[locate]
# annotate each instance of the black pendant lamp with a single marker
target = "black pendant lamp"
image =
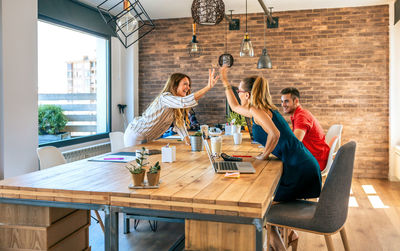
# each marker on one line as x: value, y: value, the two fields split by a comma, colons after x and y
x: 264, y: 62
x: 226, y: 58
x: 246, y: 48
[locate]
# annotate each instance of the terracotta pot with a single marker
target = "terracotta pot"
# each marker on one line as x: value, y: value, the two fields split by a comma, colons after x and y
x: 153, y: 178
x: 138, y: 178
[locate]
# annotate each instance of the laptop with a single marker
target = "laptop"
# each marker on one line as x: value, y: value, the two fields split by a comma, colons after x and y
x: 228, y: 166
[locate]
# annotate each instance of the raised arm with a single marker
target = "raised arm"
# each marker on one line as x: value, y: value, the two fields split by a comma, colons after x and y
x: 264, y: 120
x: 230, y: 96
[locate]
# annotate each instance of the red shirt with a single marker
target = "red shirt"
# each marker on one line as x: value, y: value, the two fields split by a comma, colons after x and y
x: 314, y: 139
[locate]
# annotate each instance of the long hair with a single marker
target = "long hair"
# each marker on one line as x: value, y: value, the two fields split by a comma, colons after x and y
x: 259, y: 90
x: 171, y: 86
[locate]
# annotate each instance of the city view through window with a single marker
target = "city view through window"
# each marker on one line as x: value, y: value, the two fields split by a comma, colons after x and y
x: 72, y: 75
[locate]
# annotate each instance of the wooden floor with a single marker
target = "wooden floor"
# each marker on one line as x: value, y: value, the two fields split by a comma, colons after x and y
x: 373, y: 223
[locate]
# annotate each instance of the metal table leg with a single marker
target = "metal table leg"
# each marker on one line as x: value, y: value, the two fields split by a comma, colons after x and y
x: 111, y: 234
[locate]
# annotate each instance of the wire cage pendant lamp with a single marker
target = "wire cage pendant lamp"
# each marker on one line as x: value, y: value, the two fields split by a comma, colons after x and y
x: 264, y: 61
x: 208, y: 12
x: 126, y: 18
x: 246, y: 48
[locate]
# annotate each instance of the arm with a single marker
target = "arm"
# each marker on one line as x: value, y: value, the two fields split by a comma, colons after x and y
x: 265, y: 121
x: 299, y: 133
x: 183, y: 133
x: 212, y: 80
x: 230, y: 96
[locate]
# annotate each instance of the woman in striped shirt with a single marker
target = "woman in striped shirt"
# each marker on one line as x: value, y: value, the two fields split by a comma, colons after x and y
x: 170, y: 106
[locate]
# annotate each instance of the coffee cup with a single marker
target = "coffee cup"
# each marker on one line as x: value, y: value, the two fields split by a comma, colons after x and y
x: 216, y: 145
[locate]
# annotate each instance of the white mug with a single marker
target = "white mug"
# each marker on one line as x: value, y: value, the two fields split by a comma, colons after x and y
x: 237, y: 138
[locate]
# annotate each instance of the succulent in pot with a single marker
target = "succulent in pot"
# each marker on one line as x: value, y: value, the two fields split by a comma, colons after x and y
x: 153, y: 175
x: 137, y: 169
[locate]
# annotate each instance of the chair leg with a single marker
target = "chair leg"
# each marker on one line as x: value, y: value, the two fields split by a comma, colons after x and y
x: 269, y: 230
x: 344, y: 239
x: 153, y: 225
x: 285, y: 237
x: 135, y: 223
x: 329, y: 242
x: 100, y: 220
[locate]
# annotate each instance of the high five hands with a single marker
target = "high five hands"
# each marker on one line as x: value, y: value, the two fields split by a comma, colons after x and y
x: 212, y: 79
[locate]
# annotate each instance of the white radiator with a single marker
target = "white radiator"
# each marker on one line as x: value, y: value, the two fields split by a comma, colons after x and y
x: 87, y: 152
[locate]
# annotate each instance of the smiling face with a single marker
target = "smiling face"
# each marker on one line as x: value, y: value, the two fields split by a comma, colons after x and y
x: 288, y: 103
x: 183, y: 87
x: 243, y: 95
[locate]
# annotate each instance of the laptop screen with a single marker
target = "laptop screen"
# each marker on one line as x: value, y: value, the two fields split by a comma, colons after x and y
x: 209, y: 153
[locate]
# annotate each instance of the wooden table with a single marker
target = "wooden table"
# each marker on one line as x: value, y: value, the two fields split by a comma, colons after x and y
x: 219, y: 212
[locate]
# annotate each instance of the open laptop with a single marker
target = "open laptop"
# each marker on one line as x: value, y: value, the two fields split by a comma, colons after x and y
x: 228, y: 166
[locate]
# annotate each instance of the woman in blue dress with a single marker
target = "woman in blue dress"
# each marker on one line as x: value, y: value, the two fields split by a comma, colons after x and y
x: 301, y: 177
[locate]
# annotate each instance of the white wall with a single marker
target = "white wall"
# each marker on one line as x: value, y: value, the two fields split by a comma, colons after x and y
x: 394, y: 93
x: 18, y: 120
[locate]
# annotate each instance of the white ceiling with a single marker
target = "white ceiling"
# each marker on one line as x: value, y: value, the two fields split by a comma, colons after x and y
x: 163, y: 9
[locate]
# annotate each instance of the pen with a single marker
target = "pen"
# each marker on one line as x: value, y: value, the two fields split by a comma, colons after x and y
x: 113, y: 158
x: 242, y: 156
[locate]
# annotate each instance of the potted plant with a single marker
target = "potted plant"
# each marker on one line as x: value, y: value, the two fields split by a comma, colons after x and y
x: 51, y: 122
x: 196, y: 141
x: 236, y: 121
x: 137, y: 169
x: 153, y: 175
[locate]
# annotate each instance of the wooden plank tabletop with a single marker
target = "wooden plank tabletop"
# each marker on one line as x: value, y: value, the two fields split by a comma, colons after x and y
x: 189, y: 184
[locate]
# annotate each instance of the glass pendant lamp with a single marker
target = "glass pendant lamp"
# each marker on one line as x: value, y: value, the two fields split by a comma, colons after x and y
x: 246, y: 48
x: 127, y: 23
x: 194, y: 46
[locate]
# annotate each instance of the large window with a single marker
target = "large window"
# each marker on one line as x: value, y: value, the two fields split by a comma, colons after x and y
x: 73, y: 74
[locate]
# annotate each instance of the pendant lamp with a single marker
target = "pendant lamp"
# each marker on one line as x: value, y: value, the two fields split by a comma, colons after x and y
x: 264, y: 61
x: 208, y: 12
x: 194, y: 47
x: 126, y: 18
x: 226, y: 58
x: 246, y: 48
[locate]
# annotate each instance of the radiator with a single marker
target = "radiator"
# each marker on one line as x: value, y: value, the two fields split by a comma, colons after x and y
x: 87, y: 152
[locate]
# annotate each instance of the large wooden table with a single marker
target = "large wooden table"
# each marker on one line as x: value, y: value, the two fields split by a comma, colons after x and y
x: 219, y: 212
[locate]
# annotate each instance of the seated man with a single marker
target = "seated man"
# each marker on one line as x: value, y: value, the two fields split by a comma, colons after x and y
x: 305, y: 126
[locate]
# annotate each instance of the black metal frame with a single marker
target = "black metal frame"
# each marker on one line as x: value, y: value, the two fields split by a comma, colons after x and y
x: 144, y: 21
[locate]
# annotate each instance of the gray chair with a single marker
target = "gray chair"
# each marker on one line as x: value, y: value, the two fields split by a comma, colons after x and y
x: 328, y: 215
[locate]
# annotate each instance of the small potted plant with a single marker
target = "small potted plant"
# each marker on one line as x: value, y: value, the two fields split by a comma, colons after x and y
x: 237, y: 121
x: 196, y: 141
x: 137, y: 169
x: 153, y: 175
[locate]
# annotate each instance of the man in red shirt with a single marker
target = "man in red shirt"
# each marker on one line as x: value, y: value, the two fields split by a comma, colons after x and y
x: 305, y: 126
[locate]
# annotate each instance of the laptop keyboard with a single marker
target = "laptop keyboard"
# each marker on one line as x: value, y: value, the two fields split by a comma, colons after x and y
x: 227, y: 166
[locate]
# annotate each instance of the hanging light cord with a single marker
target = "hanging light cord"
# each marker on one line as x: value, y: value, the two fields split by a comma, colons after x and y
x: 246, y: 16
x: 264, y: 32
x: 226, y: 37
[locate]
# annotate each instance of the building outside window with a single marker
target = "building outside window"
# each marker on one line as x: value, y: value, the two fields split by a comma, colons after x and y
x: 74, y: 74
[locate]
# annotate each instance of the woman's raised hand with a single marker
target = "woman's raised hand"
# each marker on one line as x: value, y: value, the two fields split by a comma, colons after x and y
x: 212, y: 79
x: 223, y: 72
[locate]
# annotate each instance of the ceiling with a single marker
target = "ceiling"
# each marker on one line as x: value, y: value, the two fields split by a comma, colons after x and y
x: 164, y: 9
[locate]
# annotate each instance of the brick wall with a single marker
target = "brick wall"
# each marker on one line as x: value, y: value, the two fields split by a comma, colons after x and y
x: 337, y: 58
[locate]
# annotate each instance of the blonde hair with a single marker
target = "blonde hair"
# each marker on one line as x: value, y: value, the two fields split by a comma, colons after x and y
x: 171, y: 86
x: 259, y: 89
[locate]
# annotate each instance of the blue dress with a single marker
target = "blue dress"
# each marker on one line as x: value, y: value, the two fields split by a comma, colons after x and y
x: 301, y: 177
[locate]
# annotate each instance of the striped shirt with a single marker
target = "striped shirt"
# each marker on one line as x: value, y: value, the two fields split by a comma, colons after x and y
x: 160, y: 115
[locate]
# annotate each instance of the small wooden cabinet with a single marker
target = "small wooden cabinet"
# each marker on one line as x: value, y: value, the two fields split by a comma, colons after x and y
x: 43, y: 228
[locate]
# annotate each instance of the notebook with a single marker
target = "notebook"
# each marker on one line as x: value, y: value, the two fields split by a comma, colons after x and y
x: 228, y: 166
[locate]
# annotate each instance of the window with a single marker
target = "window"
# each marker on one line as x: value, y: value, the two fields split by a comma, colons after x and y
x: 73, y: 74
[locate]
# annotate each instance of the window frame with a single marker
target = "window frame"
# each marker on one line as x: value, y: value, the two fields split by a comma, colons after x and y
x: 84, y: 139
